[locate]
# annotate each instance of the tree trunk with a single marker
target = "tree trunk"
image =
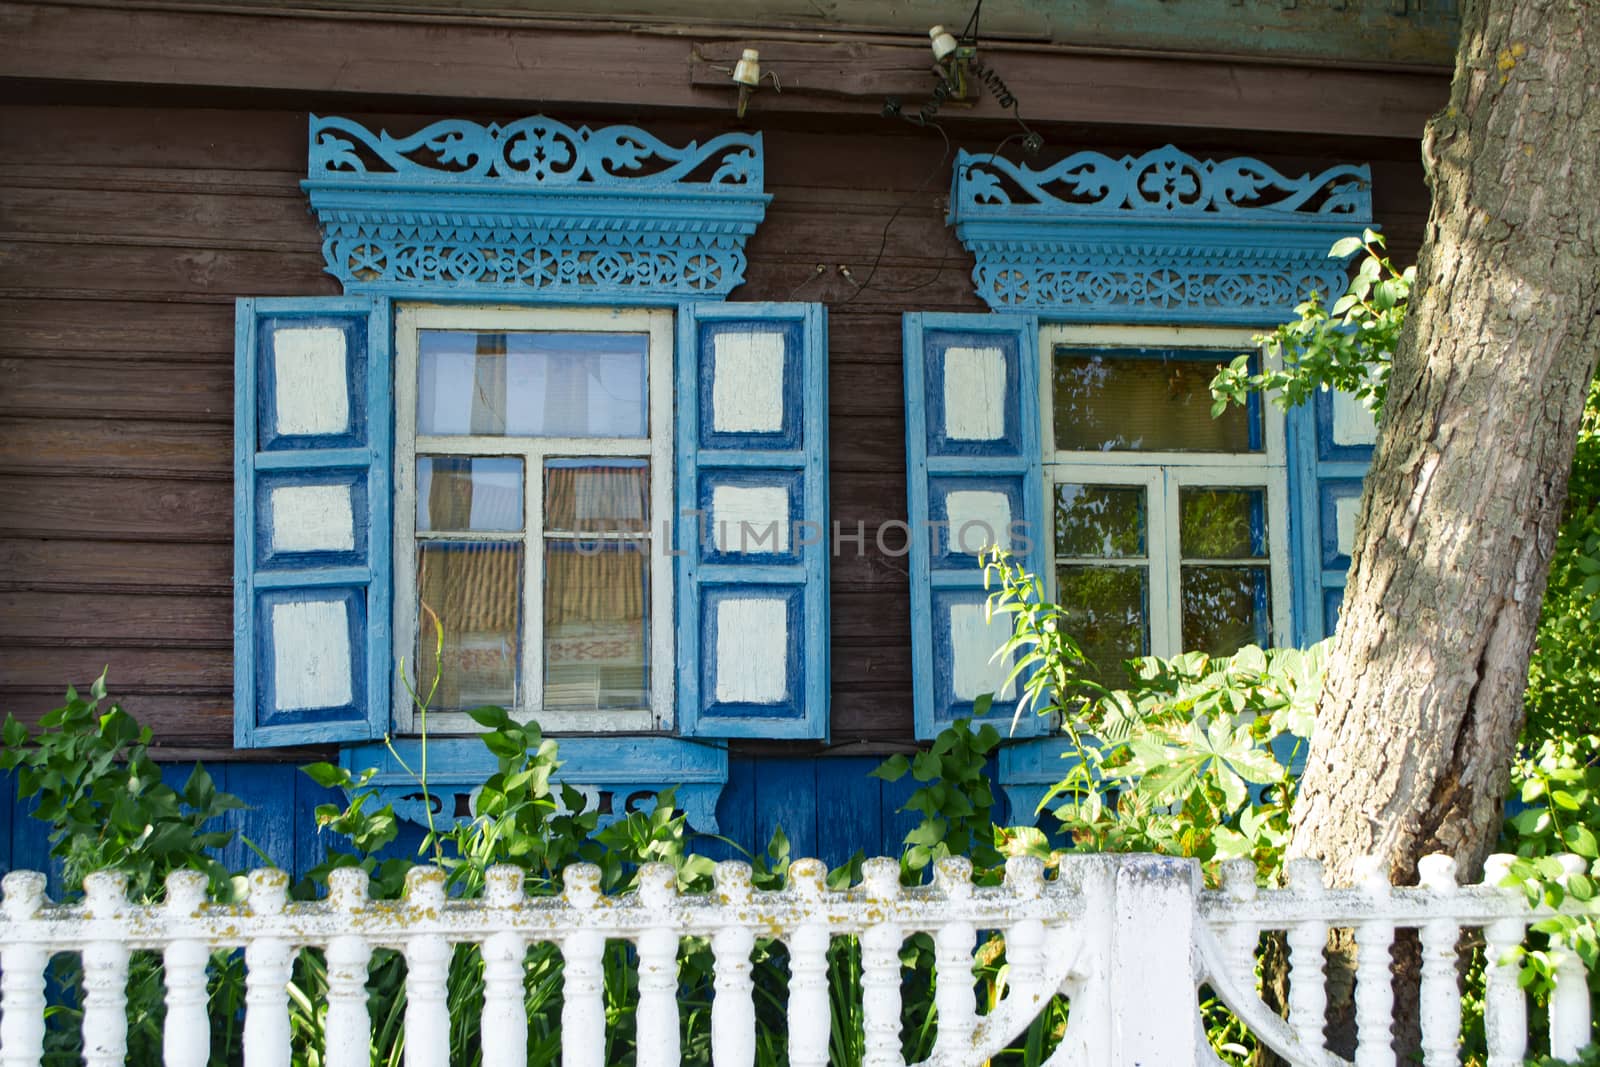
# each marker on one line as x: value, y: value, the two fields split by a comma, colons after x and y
x: 1422, y: 705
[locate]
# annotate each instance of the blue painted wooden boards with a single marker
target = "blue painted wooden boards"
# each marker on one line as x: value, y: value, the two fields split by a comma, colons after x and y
x: 972, y: 434
x: 828, y: 807
x: 752, y: 582
x: 311, y: 595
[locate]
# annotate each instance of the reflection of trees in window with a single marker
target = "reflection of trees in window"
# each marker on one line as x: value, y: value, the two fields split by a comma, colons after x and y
x: 1224, y: 609
x: 1145, y: 561
x: 1099, y: 521
x: 1144, y: 400
x: 1222, y: 523
x: 1225, y: 605
x: 1107, y: 605
x: 1107, y: 612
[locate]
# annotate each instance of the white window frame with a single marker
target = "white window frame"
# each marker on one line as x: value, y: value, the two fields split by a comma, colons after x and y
x: 1162, y: 474
x: 656, y: 446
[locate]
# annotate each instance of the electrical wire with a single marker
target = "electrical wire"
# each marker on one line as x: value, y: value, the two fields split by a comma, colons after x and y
x: 883, y: 241
x: 990, y: 80
x: 817, y: 272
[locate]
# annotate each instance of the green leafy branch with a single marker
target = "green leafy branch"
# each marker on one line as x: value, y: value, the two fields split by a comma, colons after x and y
x: 1347, y: 347
x: 1195, y: 760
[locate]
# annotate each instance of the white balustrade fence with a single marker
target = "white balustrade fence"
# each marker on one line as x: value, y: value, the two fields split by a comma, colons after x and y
x: 1128, y: 939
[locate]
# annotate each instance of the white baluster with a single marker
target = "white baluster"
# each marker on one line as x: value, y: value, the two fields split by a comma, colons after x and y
x: 733, y: 1009
x: 505, y: 953
x: 1505, y: 1005
x: 880, y: 971
x: 1308, y: 991
x: 1441, y: 994
x: 186, y: 1034
x: 952, y: 944
x: 349, y: 1029
x: 1239, y: 939
x: 1374, y: 969
x: 1025, y: 939
x: 268, y: 965
x: 105, y: 973
x: 1569, y: 1001
x: 427, y: 972
x: 583, y: 1015
x: 808, y: 968
x: 22, y: 965
x: 659, y: 1037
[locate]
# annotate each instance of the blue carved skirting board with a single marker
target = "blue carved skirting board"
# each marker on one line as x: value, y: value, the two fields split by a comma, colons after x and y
x: 828, y: 808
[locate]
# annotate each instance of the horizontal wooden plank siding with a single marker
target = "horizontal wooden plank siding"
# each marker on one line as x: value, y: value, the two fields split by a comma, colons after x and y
x: 1373, y: 33
x: 603, y: 65
x: 126, y: 232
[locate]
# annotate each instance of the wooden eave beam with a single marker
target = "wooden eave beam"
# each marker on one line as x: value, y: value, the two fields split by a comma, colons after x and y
x: 564, y: 67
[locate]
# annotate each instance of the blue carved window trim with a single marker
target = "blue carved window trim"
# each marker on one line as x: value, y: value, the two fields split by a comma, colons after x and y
x: 1160, y: 237
x: 535, y: 213
x: 1164, y: 238
x: 534, y: 209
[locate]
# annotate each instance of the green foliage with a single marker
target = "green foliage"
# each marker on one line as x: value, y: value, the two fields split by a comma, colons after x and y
x: 1195, y: 760
x: 1588, y: 1056
x: 106, y: 803
x: 108, y: 808
x: 1347, y: 346
x: 956, y: 802
x: 1564, y: 674
x: 1556, y: 778
x: 1557, y: 784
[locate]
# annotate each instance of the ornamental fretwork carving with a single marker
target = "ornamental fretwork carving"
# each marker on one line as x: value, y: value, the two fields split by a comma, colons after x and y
x: 534, y: 206
x: 1162, y: 236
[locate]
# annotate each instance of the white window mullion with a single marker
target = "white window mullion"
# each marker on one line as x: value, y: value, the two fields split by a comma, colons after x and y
x: 1278, y: 552
x: 533, y: 621
x: 551, y: 446
x: 404, y: 607
x: 1166, y: 594
x: 663, y: 604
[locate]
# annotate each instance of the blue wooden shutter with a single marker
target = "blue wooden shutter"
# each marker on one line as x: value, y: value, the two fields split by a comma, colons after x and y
x: 752, y: 527
x: 975, y: 472
x: 312, y: 583
x: 1330, y: 446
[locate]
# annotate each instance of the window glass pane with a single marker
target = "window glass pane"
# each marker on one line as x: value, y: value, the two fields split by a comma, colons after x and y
x: 532, y: 384
x: 1108, y: 615
x: 1224, y: 609
x: 1145, y: 400
x: 1222, y: 523
x: 596, y: 496
x: 1100, y: 521
x: 596, y: 633
x: 475, y: 590
x: 462, y: 493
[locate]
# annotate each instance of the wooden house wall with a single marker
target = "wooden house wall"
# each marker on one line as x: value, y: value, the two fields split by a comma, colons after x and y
x: 827, y: 808
x: 128, y: 225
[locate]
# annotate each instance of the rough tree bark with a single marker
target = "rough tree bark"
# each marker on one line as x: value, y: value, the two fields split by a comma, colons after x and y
x: 1422, y: 705
x: 1423, y: 699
